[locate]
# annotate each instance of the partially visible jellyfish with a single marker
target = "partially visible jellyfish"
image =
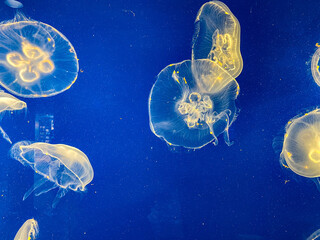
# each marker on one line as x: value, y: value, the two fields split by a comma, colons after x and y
x: 28, y: 231
x: 192, y: 103
x: 13, y: 3
x: 315, y: 235
x: 59, y: 166
x: 301, y: 145
x: 217, y: 37
x: 315, y: 65
x: 9, y: 103
x: 36, y: 60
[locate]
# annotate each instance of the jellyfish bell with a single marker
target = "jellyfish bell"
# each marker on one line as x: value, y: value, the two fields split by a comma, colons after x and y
x: 192, y: 103
x: 28, y: 231
x: 217, y: 37
x: 36, y: 60
x: 60, y: 166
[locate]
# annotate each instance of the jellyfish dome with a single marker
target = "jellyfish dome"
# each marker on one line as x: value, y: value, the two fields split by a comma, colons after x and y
x: 36, y: 60
x: 217, y: 37
x: 193, y: 102
x: 301, y: 146
x: 66, y: 167
x: 10, y: 103
x: 28, y: 231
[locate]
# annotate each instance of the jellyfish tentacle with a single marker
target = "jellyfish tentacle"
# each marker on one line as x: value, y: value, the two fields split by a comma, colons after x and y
x: 46, y: 190
x: 5, y: 135
x: 36, y: 185
x: 61, y: 193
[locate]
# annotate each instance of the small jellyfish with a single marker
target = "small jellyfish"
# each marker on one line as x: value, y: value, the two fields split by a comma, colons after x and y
x: 192, y: 103
x: 217, y: 37
x: 301, y: 145
x: 315, y: 235
x: 59, y: 166
x: 9, y: 103
x: 315, y: 65
x: 36, y: 60
x: 13, y: 3
x: 28, y: 231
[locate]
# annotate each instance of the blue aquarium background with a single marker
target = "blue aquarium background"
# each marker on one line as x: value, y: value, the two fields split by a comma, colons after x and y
x: 142, y: 188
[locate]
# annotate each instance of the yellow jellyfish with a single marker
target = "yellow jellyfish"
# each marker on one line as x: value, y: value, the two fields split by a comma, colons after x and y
x: 217, y: 37
x: 9, y: 103
x: 36, y: 60
x: 192, y: 103
x: 59, y: 166
x: 315, y: 66
x: 301, y: 146
x: 28, y: 231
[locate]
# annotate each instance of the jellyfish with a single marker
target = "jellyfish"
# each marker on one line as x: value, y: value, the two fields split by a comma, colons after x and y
x: 9, y: 103
x: 315, y: 235
x: 59, y: 166
x: 315, y: 65
x: 28, y: 231
x: 192, y: 103
x: 301, y: 145
x: 13, y: 3
x: 217, y: 37
x: 36, y: 60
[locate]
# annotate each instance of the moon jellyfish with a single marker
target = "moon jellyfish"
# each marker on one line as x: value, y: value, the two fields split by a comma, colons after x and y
x: 13, y: 3
x: 315, y: 66
x: 301, y: 145
x: 192, y: 103
x: 36, y: 60
x: 9, y: 103
x: 217, y: 37
x: 28, y: 231
x: 59, y: 166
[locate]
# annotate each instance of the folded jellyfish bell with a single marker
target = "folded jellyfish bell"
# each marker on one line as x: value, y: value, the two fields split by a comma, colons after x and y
x: 59, y: 166
x: 28, y: 231
x: 301, y: 145
x: 217, y: 37
x: 36, y: 60
x: 192, y: 103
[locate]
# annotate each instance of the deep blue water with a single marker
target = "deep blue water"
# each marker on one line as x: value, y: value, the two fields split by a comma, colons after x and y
x: 143, y: 189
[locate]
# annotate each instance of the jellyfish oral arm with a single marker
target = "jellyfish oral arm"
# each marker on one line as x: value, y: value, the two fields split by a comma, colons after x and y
x: 61, y: 193
x: 5, y: 135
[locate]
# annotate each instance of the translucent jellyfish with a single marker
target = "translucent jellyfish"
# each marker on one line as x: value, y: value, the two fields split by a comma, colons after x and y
x: 13, y: 3
x: 301, y: 145
x: 28, y: 231
x: 315, y: 65
x: 9, y: 103
x: 192, y: 103
x: 314, y: 236
x: 217, y: 37
x: 36, y: 60
x: 59, y: 166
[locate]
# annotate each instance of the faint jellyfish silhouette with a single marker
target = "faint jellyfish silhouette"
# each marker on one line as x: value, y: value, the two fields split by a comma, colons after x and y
x: 28, y: 231
x: 192, y: 103
x: 36, y: 60
x: 217, y: 37
x: 9, y: 103
x: 60, y: 166
x: 315, y: 65
x: 13, y: 3
x: 315, y: 235
x: 301, y: 145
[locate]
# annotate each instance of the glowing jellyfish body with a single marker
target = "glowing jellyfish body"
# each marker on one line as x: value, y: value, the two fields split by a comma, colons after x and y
x: 28, y: 231
x: 192, y: 102
x: 9, y: 103
x: 217, y: 37
x: 315, y: 66
x: 301, y: 146
x: 36, y: 60
x: 66, y: 167
x: 315, y: 235
x: 13, y: 3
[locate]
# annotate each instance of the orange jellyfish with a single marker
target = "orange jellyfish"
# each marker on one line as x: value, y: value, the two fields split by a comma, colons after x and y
x: 58, y: 165
x: 36, y: 60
